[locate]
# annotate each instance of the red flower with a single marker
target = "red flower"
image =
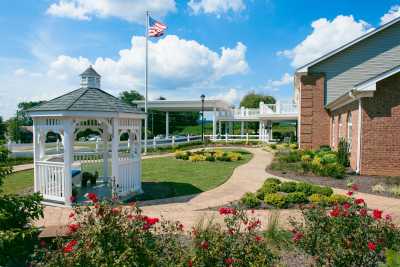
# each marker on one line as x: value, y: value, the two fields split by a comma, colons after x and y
x: 71, y: 215
x: 297, y: 236
x: 226, y: 211
x: 388, y: 217
x: 180, y: 227
x: 73, y: 227
x: 231, y: 231
x: 377, y: 214
x: 204, y: 244
x: 335, y: 212
x: 350, y: 193
x: 254, y: 224
x: 363, y: 212
x: 130, y: 217
x: 259, y: 238
x: 69, y: 247
x: 346, y: 206
x: 115, y: 210
x: 371, y: 246
x: 190, y: 263
x: 151, y: 221
x: 359, y: 201
x: 229, y: 261
x: 354, y: 187
x: 92, y: 197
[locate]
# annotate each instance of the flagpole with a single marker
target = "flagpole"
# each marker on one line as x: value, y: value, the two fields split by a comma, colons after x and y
x: 146, y: 82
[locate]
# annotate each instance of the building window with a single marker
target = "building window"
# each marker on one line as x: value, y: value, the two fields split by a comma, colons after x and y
x: 333, y: 132
x: 349, y: 129
x: 340, y: 126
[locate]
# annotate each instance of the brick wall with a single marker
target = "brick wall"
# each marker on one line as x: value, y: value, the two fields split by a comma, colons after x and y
x: 381, y: 130
x: 314, y: 121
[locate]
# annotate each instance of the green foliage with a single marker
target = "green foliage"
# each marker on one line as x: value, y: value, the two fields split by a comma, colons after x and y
x: 3, y: 128
x: 346, y: 235
x: 277, y: 200
x: 296, y: 198
x: 22, y: 114
x: 338, y: 199
x: 252, y: 100
x: 209, y: 155
x: 319, y: 199
x: 306, y: 188
x: 288, y: 187
x: 250, y: 200
x: 322, y: 190
x: 343, y: 152
x: 392, y: 259
x: 272, y: 180
x: 129, y: 96
x: 289, y: 156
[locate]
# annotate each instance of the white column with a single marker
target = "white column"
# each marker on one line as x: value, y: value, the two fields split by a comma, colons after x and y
x: 241, y: 128
x: 219, y: 128
x: 42, y: 144
x: 105, y: 155
x: 166, y: 125
x: 68, y: 148
x: 214, y: 132
x: 35, y: 155
x: 114, y: 149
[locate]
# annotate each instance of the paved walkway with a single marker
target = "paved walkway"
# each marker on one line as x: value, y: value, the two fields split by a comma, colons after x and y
x: 22, y: 167
x: 190, y: 209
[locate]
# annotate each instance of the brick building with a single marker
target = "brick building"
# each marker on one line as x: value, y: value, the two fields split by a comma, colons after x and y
x: 354, y: 93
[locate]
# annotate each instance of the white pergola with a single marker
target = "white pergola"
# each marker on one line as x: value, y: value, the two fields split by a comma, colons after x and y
x: 86, y: 108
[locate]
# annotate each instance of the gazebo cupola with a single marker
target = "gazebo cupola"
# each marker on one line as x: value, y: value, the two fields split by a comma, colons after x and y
x: 58, y: 174
x: 90, y: 78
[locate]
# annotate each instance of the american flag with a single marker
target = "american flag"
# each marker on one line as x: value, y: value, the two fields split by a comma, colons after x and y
x: 156, y: 28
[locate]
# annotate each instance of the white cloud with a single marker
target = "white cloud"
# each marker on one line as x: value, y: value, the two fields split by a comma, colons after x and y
x: 178, y: 68
x: 326, y: 36
x: 130, y: 10
x: 216, y: 6
x: 285, y: 80
x: 231, y: 96
x: 392, y: 14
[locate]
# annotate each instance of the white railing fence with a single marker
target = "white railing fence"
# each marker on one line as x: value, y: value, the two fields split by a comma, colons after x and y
x: 51, y: 180
x: 128, y: 179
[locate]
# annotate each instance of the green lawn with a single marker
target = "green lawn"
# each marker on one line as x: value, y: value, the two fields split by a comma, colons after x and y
x: 162, y: 177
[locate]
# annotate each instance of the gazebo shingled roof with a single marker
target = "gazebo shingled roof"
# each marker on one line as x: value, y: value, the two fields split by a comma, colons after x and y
x: 86, y: 99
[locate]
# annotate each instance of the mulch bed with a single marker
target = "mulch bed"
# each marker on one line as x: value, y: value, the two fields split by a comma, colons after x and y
x: 364, y: 183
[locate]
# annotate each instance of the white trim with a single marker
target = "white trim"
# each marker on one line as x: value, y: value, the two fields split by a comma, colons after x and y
x: 306, y: 67
x: 87, y: 114
x: 358, y: 170
x: 348, y: 98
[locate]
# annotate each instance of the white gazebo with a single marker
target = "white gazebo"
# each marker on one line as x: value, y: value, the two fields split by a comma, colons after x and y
x: 88, y: 107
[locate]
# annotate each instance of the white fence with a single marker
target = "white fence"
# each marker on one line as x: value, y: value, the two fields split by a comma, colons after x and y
x: 128, y: 179
x: 51, y: 180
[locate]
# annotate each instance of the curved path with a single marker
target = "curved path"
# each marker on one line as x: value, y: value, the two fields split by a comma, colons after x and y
x: 190, y: 209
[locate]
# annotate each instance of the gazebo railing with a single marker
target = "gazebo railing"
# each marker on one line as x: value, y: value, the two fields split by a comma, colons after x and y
x: 128, y: 175
x: 51, y: 181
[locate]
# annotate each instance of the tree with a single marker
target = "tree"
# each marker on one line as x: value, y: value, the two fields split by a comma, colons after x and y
x: 22, y: 115
x: 129, y: 96
x: 3, y: 129
x: 252, y: 100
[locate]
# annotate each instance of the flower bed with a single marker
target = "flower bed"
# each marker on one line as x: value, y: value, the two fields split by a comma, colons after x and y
x: 108, y: 235
x: 209, y: 155
x: 277, y: 194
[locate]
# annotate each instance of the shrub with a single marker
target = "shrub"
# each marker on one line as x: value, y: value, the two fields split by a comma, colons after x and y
x: 306, y: 188
x: 209, y: 157
x: 277, y: 200
x: 322, y: 190
x: 306, y: 158
x: 250, y: 200
x: 234, y: 156
x: 272, y: 180
x: 197, y: 157
x: 293, y: 146
x: 319, y: 199
x: 346, y: 235
x: 328, y: 158
x: 272, y: 146
x: 337, y: 199
x: 296, y: 198
x: 179, y: 154
x: 395, y: 190
x: 379, y: 188
x: 268, y: 188
x: 343, y: 152
x: 288, y: 187
x: 392, y: 259
x: 290, y: 157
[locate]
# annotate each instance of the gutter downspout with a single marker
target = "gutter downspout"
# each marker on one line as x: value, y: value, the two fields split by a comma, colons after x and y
x: 358, y: 170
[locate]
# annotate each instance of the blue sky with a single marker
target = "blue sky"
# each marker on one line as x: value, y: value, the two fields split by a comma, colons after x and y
x: 217, y: 47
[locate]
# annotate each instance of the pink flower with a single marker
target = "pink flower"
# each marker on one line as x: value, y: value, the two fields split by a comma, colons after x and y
x: 297, y: 236
x: 335, y: 212
x: 359, y: 201
x: 377, y: 214
x: 69, y: 247
x: 72, y: 199
x: 115, y: 210
x: 346, y: 206
x: 71, y: 215
x: 388, y: 217
x: 229, y: 261
x: 371, y: 246
x: 350, y: 193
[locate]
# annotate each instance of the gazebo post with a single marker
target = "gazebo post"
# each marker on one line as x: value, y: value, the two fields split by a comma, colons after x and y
x: 35, y: 154
x: 68, y: 148
x: 114, y: 148
x: 105, y: 154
